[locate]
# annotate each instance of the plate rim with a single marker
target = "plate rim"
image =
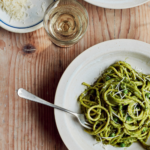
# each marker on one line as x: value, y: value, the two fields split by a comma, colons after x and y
x: 123, y: 7
x: 64, y: 138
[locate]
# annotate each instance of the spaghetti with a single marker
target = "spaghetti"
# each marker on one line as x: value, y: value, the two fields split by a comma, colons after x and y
x: 117, y: 106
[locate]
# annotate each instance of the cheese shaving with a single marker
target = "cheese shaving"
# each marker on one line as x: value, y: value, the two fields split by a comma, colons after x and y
x: 109, y: 137
x: 147, y: 78
x: 16, y: 9
x: 139, y: 77
x: 138, y: 69
x: 135, y: 106
x: 123, y: 96
x: 117, y: 87
x: 102, y: 145
x: 115, y: 114
x: 119, y: 92
x: 147, y: 91
x: 137, y: 113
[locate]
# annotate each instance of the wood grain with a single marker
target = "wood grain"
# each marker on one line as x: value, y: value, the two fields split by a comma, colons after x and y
x: 26, y: 125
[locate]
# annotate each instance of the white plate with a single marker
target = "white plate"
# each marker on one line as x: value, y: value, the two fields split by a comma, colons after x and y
x: 117, y: 4
x: 32, y: 23
x: 86, y: 68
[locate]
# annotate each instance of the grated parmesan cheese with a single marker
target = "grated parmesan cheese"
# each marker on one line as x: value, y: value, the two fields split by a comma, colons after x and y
x: 139, y: 77
x: 147, y: 91
x: 135, y: 106
x: 102, y: 145
x: 147, y: 78
x: 115, y: 115
x: 137, y: 113
x: 138, y: 69
x: 117, y: 87
x: 109, y: 137
x: 16, y: 9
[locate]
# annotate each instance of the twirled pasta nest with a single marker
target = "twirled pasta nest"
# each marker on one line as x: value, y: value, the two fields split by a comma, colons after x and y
x: 117, y: 106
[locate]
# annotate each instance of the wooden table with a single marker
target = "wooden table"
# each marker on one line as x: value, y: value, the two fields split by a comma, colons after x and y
x: 26, y: 125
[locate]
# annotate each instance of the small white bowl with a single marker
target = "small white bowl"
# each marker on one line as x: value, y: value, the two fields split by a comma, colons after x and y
x: 33, y: 22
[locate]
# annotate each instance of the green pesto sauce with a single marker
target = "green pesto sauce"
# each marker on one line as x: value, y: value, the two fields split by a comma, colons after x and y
x: 117, y: 106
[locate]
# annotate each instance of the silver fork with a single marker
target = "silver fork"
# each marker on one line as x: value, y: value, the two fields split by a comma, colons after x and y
x: 27, y: 95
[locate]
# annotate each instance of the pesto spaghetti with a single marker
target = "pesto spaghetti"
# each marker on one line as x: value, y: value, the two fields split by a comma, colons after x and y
x: 117, y: 106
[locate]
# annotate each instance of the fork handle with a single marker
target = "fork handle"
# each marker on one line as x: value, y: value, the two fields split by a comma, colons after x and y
x: 27, y: 95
